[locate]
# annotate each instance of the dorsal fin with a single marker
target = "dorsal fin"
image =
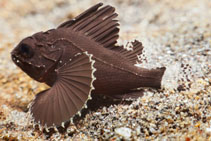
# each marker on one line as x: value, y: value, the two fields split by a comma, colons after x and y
x: 97, y: 23
x: 130, y: 55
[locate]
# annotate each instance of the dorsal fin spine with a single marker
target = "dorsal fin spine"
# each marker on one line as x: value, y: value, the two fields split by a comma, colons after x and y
x: 103, y: 33
x: 89, y: 27
x: 96, y: 23
x: 98, y: 26
x: 89, y: 20
x: 80, y: 22
x: 84, y: 20
x: 81, y: 16
x: 107, y: 42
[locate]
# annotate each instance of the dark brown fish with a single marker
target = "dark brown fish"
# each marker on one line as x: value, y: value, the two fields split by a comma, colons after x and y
x: 78, y: 58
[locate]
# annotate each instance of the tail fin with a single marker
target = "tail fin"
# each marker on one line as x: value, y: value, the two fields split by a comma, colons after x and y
x: 151, y: 77
x: 159, y: 74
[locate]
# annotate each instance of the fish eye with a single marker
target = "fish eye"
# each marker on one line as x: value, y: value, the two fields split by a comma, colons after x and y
x: 26, y: 50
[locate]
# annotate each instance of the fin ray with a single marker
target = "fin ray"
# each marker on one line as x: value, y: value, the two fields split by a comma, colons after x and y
x: 88, y: 22
x: 130, y: 55
x: 98, y: 23
x: 81, y: 16
x: 68, y: 95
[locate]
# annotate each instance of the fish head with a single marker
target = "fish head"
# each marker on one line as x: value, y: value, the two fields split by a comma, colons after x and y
x: 37, y: 57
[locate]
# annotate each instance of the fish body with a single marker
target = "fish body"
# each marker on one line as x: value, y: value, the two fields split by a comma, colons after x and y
x: 114, y: 75
x: 78, y: 58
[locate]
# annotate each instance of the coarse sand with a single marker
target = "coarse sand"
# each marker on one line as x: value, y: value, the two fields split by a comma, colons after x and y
x: 175, y: 34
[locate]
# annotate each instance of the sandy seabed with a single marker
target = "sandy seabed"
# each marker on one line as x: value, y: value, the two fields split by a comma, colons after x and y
x: 176, y: 34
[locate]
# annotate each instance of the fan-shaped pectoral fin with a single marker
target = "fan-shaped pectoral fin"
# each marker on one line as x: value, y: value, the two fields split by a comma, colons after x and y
x: 68, y: 95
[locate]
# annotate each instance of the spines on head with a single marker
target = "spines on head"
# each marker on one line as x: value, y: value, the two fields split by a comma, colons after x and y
x: 34, y: 57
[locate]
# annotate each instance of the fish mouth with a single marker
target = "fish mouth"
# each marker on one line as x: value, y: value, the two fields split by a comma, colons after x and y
x: 34, y: 71
x: 18, y: 60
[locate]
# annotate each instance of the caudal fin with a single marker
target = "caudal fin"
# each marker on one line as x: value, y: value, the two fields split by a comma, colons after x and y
x: 159, y: 72
x: 151, y: 77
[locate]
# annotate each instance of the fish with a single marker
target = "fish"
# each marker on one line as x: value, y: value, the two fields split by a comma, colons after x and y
x: 78, y: 58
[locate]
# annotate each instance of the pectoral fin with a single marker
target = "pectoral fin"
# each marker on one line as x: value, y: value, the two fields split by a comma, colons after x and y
x: 69, y: 93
